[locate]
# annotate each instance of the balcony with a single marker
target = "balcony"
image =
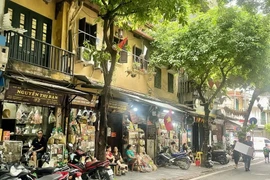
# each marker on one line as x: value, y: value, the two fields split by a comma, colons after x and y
x: 34, y: 52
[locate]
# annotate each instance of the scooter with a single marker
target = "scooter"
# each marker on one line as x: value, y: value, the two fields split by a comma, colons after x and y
x: 90, y: 168
x: 20, y: 172
x: 209, y: 163
x: 220, y: 156
x: 179, y: 159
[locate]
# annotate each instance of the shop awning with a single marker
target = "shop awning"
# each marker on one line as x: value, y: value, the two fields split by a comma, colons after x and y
x: 50, y: 86
x: 160, y: 104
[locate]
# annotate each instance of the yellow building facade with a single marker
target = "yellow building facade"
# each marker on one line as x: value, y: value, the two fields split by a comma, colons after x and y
x: 59, y: 14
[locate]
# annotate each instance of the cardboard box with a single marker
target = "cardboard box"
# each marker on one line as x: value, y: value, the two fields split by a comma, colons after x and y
x: 244, y: 149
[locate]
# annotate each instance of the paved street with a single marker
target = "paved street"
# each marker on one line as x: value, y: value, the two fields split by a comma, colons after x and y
x: 258, y: 171
x: 174, y: 173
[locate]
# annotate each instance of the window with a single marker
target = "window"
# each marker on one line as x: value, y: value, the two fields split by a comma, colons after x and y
x: 263, y: 118
x: 123, y: 54
x: 89, y: 32
x: 140, y: 56
x: 157, y: 81
x: 170, y: 82
x: 236, y: 104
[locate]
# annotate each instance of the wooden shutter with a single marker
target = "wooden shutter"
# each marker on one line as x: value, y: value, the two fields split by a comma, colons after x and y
x: 123, y: 57
x: 134, y: 54
x: 82, y: 27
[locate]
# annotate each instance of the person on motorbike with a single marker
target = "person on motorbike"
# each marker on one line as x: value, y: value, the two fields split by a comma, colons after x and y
x: 38, y: 147
x: 173, y: 148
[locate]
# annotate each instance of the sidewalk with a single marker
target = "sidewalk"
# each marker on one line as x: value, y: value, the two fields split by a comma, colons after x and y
x: 175, y: 173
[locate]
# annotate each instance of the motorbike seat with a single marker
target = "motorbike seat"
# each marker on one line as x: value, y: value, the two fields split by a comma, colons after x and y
x: 50, y: 177
x: 47, y: 170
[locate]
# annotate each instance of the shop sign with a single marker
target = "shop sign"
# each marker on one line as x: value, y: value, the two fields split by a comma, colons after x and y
x: 151, y: 132
x: 81, y: 101
x: 18, y: 93
x: 118, y: 106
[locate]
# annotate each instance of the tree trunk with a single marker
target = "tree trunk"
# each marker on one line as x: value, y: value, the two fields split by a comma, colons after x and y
x: 251, y: 103
x: 102, y: 136
x: 206, y: 134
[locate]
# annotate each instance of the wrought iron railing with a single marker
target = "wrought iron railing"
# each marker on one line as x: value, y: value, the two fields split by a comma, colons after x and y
x: 38, y: 53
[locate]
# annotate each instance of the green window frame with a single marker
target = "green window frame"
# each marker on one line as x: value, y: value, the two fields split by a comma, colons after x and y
x: 157, y: 80
x: 170, y: 83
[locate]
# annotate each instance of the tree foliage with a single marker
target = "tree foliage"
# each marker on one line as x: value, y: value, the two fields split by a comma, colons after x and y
x: 129, y: 14
x: 222, y: 43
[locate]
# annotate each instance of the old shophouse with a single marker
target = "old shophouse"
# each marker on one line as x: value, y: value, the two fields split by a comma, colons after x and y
x: 44, y: 44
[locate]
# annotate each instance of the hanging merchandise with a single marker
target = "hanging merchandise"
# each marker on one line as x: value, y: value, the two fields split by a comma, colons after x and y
x: 31, y: 117
x: 93, y: 117
x: 38, y: 117
x: 21, y: 116
x: 52, y: 118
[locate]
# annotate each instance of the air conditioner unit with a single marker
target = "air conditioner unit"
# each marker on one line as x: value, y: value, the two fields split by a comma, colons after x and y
x: 85, y: 56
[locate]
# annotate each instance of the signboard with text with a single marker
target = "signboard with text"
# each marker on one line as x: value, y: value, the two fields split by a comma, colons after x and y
x: 81, y: 101
x: 28, y: 95
x: 118, y: 106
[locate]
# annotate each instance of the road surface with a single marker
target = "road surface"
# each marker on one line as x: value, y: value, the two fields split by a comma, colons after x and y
x: 258, y: 171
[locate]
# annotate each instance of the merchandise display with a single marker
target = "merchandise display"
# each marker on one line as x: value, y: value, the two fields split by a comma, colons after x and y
x: 28, y: 120
x: 81, y: 129
x: 12, y: 151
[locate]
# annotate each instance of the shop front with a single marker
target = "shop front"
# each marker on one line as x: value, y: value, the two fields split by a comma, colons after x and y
x: 82, y: 121
x: 29, y: 106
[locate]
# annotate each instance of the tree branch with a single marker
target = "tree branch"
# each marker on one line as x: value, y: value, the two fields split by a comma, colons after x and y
x: 224, y: 77
x: 104, y: 3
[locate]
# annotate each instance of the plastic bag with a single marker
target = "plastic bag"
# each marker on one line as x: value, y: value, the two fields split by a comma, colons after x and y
x: 20, y: 114
x: 38, y: 117
x: 52, y: 118
x: 31, y: 117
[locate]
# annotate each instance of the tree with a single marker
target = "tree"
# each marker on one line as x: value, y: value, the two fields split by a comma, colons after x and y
x: 126, y: 14
x: 216, y: 45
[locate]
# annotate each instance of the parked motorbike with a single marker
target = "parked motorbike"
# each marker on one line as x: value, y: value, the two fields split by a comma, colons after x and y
x: 89, y: 168
x: 180, y: 159
x: 220, y: 156
x: 209, y: 163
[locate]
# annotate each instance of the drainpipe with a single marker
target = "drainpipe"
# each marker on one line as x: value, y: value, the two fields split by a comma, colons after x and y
x: 2, y: 12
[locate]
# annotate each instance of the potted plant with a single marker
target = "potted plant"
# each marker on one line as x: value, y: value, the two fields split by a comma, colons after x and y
x: 136, y: 65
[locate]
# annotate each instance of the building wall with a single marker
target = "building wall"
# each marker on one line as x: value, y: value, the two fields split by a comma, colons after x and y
x: 142, y: 83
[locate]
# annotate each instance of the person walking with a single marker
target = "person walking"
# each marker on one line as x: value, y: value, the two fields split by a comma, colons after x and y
x: 236, y: 155
x: 247, y: 158
x: 266, y: 153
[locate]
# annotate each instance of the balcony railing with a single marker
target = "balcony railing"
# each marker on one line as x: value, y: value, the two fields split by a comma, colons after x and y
x: 38, y: 53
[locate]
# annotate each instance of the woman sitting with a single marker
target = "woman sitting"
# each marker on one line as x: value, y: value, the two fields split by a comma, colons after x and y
x: 109, y: 155
x: 132, y: 159
x: 119, y: 160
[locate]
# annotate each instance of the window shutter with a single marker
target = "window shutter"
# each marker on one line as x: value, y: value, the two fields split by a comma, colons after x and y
x: 82, y: 27
x: 134, y: 54
x: 123, y: 57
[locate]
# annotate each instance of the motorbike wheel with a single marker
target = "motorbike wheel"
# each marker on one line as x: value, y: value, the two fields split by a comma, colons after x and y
x: 159, y: 161
x: 223, y: 160
x: 183, y: 164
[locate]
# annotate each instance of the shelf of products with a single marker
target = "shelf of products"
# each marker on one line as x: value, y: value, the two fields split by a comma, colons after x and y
x: 56, y: 152
x: 12, y: 151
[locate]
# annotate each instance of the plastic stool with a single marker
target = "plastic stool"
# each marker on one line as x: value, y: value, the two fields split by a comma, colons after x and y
x: 199, y: 155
